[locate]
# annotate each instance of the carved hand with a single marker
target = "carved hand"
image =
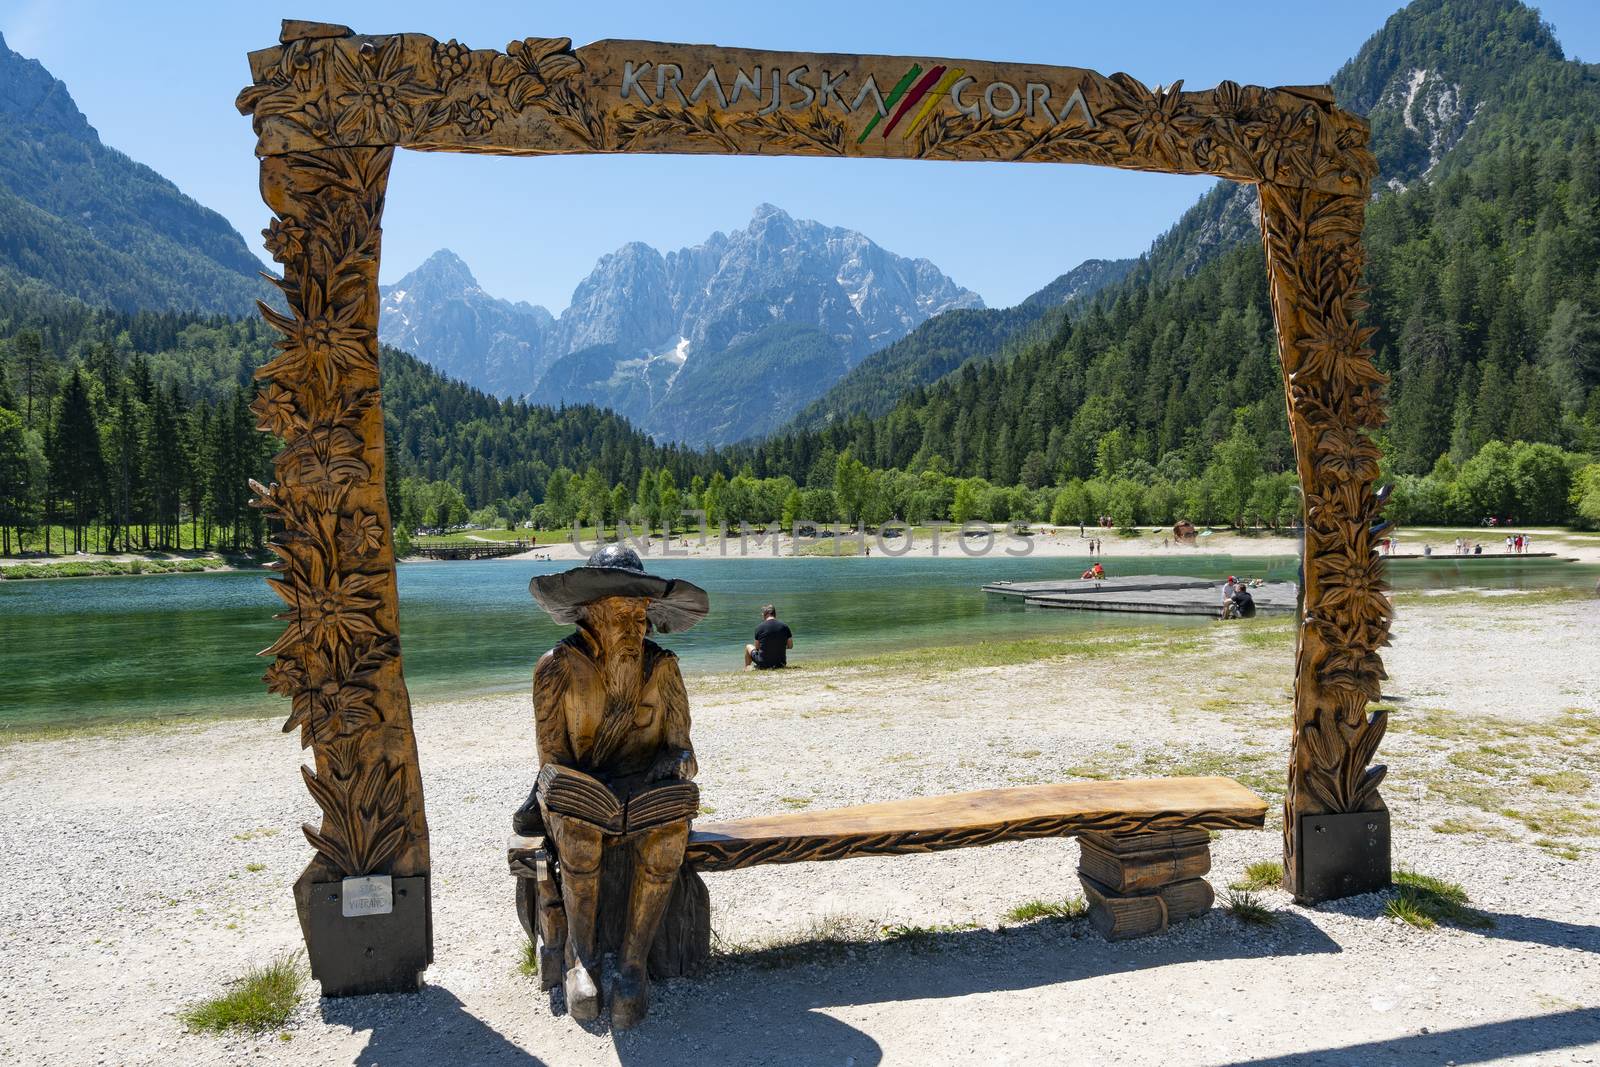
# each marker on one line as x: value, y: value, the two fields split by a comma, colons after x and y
x: 673, y: 763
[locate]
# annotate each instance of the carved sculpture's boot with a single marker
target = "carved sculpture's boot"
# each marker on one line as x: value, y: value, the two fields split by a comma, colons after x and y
x: 647, y: 899
x: 580, y: 891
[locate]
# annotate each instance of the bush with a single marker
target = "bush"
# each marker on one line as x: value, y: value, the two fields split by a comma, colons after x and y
x: 1584, y: 497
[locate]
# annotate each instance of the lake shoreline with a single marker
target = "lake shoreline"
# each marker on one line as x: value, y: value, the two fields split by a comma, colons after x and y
x: 1126, y: 632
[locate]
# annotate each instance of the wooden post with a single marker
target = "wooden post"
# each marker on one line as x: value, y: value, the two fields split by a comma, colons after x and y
x: 1335, y: 398
x: 363, y: 899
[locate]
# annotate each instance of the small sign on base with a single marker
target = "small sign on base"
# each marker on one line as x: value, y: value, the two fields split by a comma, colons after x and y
x: 369, y: 935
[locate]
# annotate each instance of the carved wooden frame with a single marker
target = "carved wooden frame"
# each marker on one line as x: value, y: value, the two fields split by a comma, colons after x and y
x: 329, y: 108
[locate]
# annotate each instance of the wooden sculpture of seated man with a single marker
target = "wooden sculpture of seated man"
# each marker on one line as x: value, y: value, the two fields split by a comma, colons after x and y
x: 615, y: 761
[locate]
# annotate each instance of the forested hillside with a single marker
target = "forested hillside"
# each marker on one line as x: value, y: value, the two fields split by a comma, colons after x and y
x: 1160, y: 399
x: 86, y: 221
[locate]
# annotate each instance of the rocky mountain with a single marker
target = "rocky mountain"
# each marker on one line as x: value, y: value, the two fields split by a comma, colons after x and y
x: 440, y: 309
x: 84, y: 220
x: 1081, y: 282
x: 705, y: 345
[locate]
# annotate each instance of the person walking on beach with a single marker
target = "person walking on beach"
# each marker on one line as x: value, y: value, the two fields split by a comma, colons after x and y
x: 770, y: 650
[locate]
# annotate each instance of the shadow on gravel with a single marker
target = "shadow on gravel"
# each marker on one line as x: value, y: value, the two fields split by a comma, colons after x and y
x: 740, y: 1011
x: 1468, y: 1044
x: 428, y: 1028
x: 1551, y: 932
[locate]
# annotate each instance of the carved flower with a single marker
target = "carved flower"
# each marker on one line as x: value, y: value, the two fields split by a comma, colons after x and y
x: 1285, y: 146
x: 285, y: 239
x: 376, y: 105
x: 1369, y: 408
x: 275, y: 410
x: 530, y: 65
x: 324, y: 343
x: 312, y: 117
x: 1348, y: 455
x: 360, y: 534
x: 284, y: 677
x: 339, y: 613
x: 452, y: 58
x: 331, y: 710
x: 1155, y: 123
x: 474, y: 115
x: 1335, y: 351
x: 1351, y: 586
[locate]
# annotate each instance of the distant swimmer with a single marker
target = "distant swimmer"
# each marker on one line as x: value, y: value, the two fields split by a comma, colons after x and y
x: 770, y: 650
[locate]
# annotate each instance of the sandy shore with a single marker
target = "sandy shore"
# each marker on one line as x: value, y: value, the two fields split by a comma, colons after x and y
x: 131, y: 864
x: 1051, y: 542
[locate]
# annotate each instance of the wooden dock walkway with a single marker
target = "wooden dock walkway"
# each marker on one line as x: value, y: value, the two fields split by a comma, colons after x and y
x: 472, y: 549
x: 1156, y: 594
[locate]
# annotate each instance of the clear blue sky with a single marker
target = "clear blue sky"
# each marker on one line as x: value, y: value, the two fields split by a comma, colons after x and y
x: 158, y: 81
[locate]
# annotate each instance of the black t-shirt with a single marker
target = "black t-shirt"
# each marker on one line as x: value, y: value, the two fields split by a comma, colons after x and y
x: 1245, y: 603
x: 772, y: 641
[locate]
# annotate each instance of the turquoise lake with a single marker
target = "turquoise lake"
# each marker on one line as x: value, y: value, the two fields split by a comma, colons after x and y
x: 96, y: 650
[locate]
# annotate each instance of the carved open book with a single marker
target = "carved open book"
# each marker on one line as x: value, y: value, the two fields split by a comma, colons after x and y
x: 569, y: 792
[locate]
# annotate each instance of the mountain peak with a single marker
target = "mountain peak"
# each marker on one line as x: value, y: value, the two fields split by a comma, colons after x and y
x: 765, y: 210
x: 445, y: 269
x: 31, y: 94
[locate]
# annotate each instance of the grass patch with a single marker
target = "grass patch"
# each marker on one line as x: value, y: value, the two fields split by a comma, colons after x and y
x: 1248, y: 909
x: 528, y: 960
x: 795, y: 802
x: 263, y: 999
x: 1562, y: 782
x: 253, y: 868
x: 915, y: 934
x: 828, y: 937
x: 1031, y: 910
x: 1469, y: 825
x: 103, y: 568
x: 1557, y: 822
x: 1558, y: 848
x: 1263, y: 874
x: 1424, y: 901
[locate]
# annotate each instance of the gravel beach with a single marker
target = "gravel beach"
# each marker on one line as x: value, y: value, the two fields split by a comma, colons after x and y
x: 144, y: 869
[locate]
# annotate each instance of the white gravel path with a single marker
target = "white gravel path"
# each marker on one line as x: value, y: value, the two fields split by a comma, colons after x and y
x: 127, y: 894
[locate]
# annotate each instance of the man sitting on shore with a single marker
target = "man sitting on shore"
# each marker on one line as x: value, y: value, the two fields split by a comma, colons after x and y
x: 770, y: 650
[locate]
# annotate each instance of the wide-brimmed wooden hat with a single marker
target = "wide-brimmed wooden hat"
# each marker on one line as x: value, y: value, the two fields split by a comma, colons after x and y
x: 616, y: 570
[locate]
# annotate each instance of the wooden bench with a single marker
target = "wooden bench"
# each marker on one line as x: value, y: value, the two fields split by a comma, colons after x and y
x: 1144, y: 851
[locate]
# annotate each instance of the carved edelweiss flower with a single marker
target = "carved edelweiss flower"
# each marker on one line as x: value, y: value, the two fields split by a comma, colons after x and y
x: 1155, y: 123
x: 1351, y: 586
x: 525, y: 72
x: 475, y: 115
x: 360, y: 534
x: 453, y: 59
x: 337, y: 614
x: 326, y: 344
x: 1335, y: 351
x: 284, y: 677
x: 285, y: 239
x: 275, y: 410
x: 332, y: 709
x: 1285, y: 145
x: 379, y: 91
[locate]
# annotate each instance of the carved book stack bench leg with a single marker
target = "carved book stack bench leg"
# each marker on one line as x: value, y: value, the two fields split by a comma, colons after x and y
x: 1137, y: 884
